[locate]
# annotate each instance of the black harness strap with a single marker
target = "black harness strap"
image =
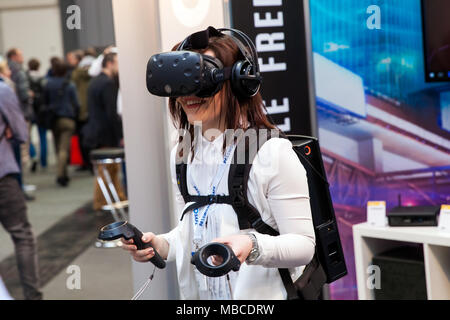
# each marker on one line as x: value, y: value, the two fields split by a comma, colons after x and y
x: 198, y: 201
x: 180, y: 170
x: 201, y: 201
x: 248, y: 215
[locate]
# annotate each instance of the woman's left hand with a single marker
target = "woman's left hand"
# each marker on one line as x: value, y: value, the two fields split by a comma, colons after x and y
x: 241, y: 244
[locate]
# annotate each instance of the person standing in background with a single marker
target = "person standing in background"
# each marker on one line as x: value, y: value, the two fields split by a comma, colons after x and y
x: 5, y: 74
x: 81, y: 78
x: 20, y: 79
x: 104, y: 127
x: 37, y: 84
x: 24, y: 95
x: 52, y: 60
x: 61, y: 97
x: 73, y: 58
x: 96, y: 69
x: 13, y: 210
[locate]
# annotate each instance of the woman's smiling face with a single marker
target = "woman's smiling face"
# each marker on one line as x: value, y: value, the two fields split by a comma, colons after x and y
x: 204, y: 110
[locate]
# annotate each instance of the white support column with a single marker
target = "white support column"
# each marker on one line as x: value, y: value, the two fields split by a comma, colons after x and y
x: 137, y: 30
x: 143, y: 28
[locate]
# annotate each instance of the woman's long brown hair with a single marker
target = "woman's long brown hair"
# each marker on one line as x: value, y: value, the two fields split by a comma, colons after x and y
x: 241, y: 113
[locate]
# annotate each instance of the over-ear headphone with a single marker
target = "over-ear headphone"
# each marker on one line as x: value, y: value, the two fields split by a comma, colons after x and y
x: 245, y: 77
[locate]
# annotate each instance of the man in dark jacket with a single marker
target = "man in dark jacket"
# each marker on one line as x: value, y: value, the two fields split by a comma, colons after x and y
x: 104, y: 127
x: 61, y: 97
x: 13, y: 210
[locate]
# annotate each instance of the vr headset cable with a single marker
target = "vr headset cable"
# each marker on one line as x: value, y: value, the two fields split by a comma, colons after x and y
x: 144, y: 286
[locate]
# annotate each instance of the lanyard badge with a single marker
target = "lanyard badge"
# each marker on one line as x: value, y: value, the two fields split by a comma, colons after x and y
x: 199, y: 222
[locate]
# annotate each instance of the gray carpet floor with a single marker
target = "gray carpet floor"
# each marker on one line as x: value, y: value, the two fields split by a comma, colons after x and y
x: 66, y: 229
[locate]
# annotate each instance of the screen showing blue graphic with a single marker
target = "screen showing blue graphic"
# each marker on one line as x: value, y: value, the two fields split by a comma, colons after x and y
x: 436, y: 39
x: 384, y: 130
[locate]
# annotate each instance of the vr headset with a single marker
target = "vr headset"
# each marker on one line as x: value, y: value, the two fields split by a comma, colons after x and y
x: 187, y: 73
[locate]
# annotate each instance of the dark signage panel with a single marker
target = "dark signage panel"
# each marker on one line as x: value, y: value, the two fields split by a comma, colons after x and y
x: 277, y: 27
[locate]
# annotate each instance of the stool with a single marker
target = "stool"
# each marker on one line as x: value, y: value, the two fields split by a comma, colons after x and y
x: 104, y: 157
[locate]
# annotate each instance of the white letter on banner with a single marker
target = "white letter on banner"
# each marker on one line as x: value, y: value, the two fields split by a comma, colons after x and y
x: 271, y: 66
x: 265, y: 42
x: 266, y: 3
x: 275, y: 108
x: 286, y: 126
x: 268, y: 21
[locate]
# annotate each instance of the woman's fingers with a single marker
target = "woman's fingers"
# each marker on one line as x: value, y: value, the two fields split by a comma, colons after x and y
x: 148, y: 236
x: 216, y: 260
x: 220, y: 240
x: 144, y: 255
x: 241, y: 244
x: 125, y: 241
x: 139, y: 255
x: 128, y: 244
x: 129, y: 247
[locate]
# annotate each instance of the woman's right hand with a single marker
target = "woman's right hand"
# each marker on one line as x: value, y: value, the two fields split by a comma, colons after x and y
x: 159, y: 243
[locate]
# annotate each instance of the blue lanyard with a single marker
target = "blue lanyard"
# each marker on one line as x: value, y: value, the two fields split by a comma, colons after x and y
x: 198, y: 224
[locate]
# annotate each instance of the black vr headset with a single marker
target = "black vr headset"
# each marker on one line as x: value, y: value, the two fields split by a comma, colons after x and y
x: 187, y: 73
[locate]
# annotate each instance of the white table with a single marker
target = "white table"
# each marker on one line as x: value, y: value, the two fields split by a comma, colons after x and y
x: 370, y: 240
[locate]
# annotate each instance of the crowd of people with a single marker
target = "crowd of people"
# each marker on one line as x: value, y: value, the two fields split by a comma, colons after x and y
x: 78, y: 95
x: 61, y: 101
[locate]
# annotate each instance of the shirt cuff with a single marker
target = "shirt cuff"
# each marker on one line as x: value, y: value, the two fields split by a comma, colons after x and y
x: 170, y: 238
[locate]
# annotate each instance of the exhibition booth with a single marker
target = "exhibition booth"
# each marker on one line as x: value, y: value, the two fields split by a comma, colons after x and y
x: 361, y: 89
x: 370, y: 81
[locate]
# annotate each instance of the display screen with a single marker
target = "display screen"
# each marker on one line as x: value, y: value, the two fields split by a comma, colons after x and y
x: 383, y: 130
x: 436, y: 26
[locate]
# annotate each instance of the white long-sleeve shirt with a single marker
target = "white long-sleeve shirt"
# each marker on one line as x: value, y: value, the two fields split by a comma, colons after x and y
x: 278, y: 189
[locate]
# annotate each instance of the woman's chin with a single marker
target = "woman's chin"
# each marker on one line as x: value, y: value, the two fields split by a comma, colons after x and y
x: 194, y: 121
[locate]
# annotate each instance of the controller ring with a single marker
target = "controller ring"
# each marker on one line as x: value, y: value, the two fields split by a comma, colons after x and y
x: 230, y: 261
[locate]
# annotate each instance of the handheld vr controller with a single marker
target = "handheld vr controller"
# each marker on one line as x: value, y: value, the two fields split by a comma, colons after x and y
x: 230, y: 261
x: 124, y: 229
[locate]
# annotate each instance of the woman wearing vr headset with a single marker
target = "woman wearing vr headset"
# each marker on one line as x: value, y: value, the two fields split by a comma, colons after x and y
x: 277, y: 182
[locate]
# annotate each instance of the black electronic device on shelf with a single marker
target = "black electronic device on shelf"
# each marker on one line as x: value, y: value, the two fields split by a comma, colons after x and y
x: 426, y: 216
